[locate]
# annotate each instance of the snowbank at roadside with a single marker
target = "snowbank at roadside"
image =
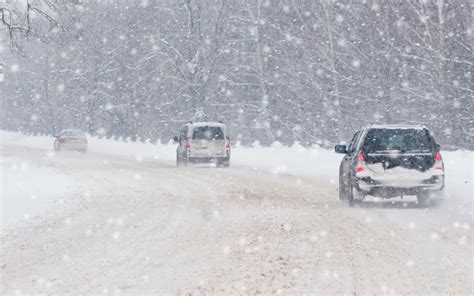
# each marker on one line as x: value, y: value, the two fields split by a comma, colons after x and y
x: 28, y: 189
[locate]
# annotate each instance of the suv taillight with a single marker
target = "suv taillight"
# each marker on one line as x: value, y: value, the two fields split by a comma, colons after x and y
x: 439, y: 165
x: 188, y: 145
x: 360, y: 166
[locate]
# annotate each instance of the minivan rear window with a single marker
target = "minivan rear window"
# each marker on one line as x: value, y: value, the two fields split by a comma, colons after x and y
x: 401, y: 140
x: 208, y: 133
x: 73, y: 133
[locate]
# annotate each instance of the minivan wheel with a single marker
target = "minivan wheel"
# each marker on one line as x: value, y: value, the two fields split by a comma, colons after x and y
x: 223, y: 163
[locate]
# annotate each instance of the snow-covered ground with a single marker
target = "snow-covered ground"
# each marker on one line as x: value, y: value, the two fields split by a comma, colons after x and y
x: 123, y: 218
x: 28, y: 189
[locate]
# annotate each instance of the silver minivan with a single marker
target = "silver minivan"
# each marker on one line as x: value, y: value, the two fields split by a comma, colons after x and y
x: 203, y: 142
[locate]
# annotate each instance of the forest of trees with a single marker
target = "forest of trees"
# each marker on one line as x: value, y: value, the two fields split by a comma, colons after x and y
x: 273, y: 70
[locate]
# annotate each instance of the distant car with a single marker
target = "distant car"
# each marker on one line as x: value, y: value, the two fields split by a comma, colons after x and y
x: 390, y: 161
x: 203, y: 142
x: 71, y: 139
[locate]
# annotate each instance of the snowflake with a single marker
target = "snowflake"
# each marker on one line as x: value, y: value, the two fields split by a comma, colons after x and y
x: 14, y: 68
x: 60, y: 88
x: 116, y: 235
x: 355, y: 63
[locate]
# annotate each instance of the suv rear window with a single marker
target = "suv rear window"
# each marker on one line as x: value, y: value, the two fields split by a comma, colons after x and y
x: 402, y: 140
x: 208, y: 133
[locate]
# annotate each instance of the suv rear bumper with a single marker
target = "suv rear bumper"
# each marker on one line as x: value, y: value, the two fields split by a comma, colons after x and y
x: 370, y: 186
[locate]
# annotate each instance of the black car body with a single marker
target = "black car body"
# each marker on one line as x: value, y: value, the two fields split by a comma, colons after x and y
x: 390, y: 161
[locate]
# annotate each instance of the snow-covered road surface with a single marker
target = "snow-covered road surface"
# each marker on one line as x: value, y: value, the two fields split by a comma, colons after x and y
x: 144, y: 226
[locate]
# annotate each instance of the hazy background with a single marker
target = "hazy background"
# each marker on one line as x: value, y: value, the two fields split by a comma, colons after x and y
x: 282, y: 70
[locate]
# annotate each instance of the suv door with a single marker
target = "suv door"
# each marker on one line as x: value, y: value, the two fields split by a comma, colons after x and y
x: 344, y: 170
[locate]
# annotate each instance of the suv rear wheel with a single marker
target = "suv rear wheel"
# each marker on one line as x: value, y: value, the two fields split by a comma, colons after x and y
x: 342, y: 190
x: 354, y: 197
x: 430, y: 199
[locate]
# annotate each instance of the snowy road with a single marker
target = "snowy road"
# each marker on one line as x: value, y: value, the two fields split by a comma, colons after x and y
x: 145, y: 226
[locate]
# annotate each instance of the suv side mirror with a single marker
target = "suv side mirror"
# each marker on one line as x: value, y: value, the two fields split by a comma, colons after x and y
x: 341, y: 149
x: 437, y: 147
x: 176, y: 139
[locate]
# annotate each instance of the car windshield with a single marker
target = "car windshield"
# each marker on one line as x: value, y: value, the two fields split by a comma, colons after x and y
x: 402, y: 140
x: 208, y: 133
x: 72, y: 133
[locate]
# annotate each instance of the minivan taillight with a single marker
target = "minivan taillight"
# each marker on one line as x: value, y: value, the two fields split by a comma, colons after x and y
x: 439, y: 165
x: 360, y: 166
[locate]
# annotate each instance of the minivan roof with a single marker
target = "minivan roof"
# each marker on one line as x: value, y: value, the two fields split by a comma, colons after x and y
x: 205, y: 123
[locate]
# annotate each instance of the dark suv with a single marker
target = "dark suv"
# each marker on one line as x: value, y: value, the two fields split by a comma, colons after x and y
x: 389, y: 161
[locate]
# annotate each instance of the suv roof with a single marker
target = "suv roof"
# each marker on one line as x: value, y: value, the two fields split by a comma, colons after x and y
x: 395, y: 126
